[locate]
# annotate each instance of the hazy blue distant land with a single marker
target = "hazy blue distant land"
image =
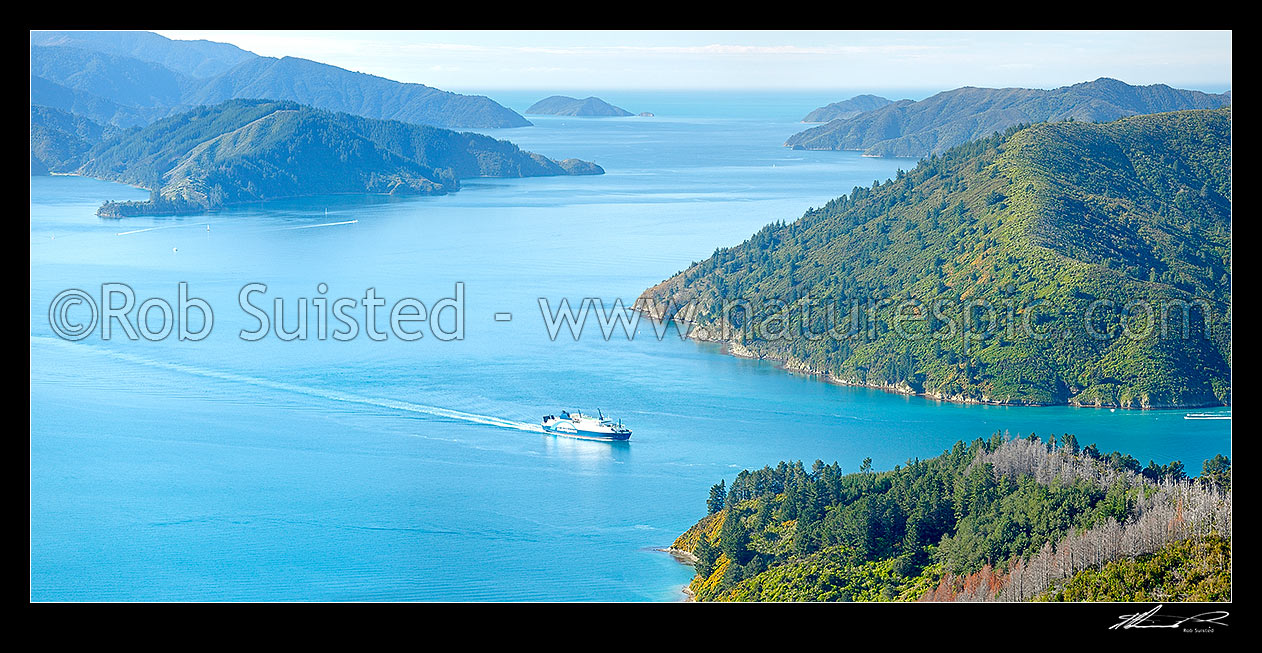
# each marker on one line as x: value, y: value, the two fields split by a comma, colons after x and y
x: 937, y: 123
x: 560, y: 105
x: 203, y: 125
x: 200, y: 59
x: 60, y: 141
x: 129, y: 79
x: 847, y: 108
x: 252, y: 150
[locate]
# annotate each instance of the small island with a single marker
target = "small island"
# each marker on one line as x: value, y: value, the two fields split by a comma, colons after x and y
x: 560, y: 105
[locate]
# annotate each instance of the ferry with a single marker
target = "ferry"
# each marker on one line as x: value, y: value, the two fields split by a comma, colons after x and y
x: 586, y: 427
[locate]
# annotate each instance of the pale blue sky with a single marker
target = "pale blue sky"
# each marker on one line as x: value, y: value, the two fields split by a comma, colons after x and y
x: 471, y: 60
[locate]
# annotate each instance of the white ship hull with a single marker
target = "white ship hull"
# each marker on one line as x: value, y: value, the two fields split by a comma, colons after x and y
x: 584, y: 427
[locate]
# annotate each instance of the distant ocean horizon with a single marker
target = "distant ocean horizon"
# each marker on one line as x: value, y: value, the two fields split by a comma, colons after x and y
x: 736, y: 103
x: 787, y: 105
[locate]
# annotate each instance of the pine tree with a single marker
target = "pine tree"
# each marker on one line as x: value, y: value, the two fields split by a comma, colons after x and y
x: 733, y: 540
x: 718, y: 494
x: 1217, y: 471
x: 706, y: 556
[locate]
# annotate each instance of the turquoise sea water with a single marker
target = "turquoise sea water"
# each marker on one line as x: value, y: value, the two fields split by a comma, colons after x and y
x: 364, y: 470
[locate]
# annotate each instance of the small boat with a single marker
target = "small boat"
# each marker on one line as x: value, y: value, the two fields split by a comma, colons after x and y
x: 586, y: 427
x: 1207, y: 416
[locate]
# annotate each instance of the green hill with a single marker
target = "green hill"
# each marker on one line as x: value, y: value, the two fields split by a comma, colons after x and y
x: 935, y: 124
x: 1060, y: 263
x: 998, y: 519
x: 252, y: 150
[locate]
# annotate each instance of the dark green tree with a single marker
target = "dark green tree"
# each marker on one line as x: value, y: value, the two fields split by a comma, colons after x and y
x: 718, y: 493
x: 706, y: 555
x: 1217, y: 470
x: 733, y: 539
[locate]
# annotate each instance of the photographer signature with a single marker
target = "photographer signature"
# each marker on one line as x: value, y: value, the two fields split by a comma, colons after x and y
x: 1151, y: 619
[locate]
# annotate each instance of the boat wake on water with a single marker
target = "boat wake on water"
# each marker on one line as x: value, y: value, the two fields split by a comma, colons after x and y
x: 1207, y: 416
x: 331, y: 395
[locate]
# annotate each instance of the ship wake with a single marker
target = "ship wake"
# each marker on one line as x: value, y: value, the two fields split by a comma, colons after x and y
x: 318, y: 393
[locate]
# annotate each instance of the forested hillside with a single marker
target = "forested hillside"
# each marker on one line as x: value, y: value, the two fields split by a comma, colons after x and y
x: 937, y: 123
x: 996, y: 519
x: 846, y: 108
x: 251, y: 150
x: 60, y: 140
x: 1060, y: 263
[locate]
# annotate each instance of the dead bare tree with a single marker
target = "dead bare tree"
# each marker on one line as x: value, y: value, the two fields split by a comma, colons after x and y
x: 1165, y: 511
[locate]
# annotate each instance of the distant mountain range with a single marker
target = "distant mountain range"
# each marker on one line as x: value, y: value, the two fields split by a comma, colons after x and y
x: 560, y: 105
x: 200, y: 59
x: 935, y: 124
x: 252, y: 150
x: 847, y: 108
x: 132, y: 78
x: 48, y: 94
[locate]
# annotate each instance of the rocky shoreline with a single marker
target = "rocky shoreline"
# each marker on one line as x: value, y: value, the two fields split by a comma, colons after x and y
x: 684, y: 558
x: 903, y: 388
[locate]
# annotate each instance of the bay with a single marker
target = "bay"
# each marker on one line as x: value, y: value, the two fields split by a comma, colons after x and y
x: 324, y: 470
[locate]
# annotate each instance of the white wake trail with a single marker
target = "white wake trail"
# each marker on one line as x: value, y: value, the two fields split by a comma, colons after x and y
x: 331, y: 395
x: 315, y: 226
x: 141, y: 231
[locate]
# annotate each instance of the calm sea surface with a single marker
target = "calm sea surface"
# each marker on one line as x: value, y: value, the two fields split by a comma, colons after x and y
x: 363, y: 470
